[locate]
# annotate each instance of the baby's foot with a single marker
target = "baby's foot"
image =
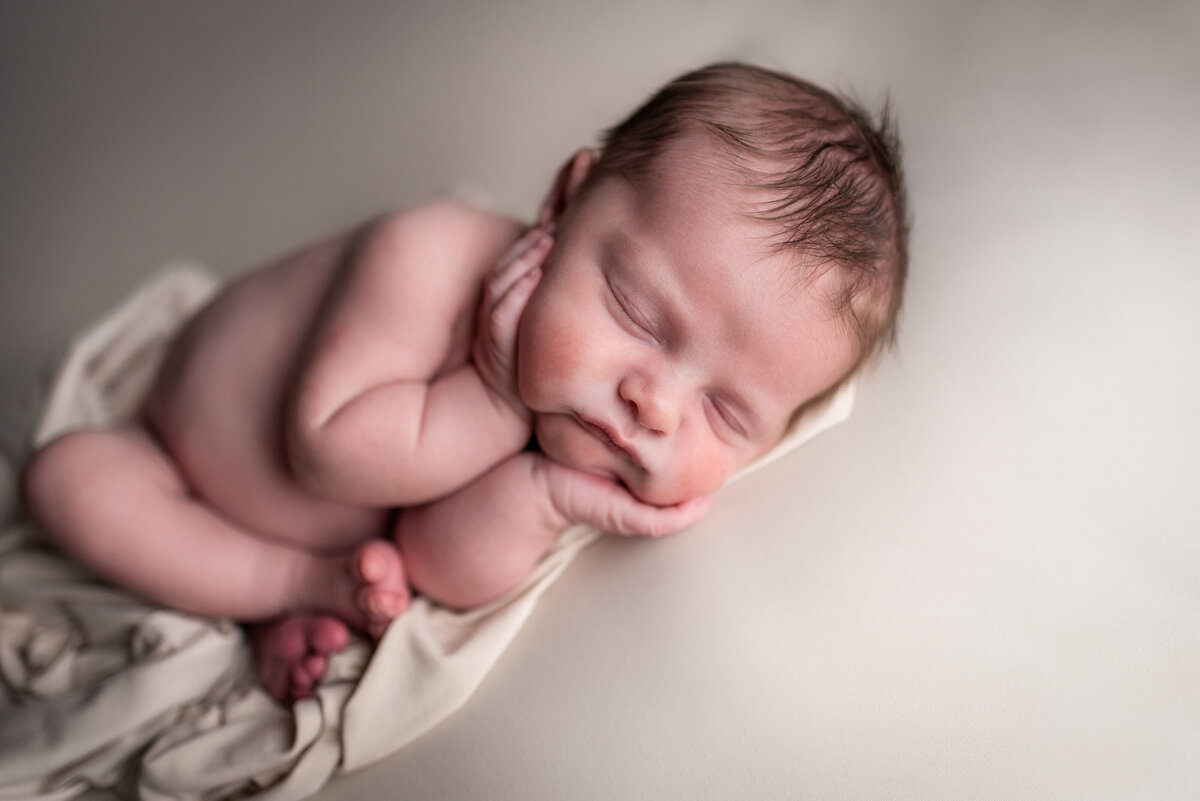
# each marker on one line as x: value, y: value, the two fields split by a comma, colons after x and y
x: 384, y: 593
x: 293, y: 653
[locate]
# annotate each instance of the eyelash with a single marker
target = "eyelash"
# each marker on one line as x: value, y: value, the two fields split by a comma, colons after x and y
x: 727, y: 418
x: 630, y: 321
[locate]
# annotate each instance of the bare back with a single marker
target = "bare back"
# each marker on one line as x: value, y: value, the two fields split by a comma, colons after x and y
x: 218, y: 405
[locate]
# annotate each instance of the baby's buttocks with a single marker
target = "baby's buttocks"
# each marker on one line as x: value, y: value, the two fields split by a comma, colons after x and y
x: 217, y: 405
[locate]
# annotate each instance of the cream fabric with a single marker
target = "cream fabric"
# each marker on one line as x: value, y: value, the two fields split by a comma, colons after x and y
x: 102, y: 688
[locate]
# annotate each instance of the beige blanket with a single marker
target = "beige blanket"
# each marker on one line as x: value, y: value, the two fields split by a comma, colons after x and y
x: 101, y: 688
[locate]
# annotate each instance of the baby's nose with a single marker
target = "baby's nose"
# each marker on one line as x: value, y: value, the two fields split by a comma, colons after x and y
x: 651, y: 403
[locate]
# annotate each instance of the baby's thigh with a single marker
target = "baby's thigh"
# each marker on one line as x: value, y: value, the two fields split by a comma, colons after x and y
x: 83, y: 483
x: 220, y: 424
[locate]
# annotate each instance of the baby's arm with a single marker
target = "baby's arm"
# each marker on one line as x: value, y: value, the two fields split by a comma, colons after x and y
x: 383, y: 411
x: 485, y: 539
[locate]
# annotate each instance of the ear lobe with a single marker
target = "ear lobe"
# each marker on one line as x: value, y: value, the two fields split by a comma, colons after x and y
x: 570, y: 177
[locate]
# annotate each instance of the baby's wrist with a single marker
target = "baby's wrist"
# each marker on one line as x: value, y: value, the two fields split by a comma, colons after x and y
x: 514, y: 414
x: 548, y: 486
x: 507, y: 406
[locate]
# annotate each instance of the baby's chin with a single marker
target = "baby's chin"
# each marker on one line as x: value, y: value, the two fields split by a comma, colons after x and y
x: 666, y: 496
x: 659, y: 489
x: 649, y: 494
x: 702, y: 477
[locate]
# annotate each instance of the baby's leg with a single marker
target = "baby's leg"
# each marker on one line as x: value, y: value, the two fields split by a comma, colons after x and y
x: 115, y: 501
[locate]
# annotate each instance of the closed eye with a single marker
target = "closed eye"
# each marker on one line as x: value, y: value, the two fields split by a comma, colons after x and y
x: 627, y: 315
x: 724, y: 418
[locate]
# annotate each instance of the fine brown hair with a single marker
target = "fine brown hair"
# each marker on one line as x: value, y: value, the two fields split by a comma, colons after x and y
x: 830, y: 173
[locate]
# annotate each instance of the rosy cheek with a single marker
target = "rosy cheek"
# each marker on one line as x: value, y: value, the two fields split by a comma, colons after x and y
x: 540, y: 355
x: 546, y: 366
x: 699, y: 473
x: 706, y: 474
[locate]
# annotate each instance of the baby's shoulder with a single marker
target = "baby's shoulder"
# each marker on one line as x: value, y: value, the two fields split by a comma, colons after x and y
x: 453, y: 234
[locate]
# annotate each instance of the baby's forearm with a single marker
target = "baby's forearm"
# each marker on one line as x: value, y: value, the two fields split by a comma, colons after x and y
x: 406, y: 442
x: 477, y: 544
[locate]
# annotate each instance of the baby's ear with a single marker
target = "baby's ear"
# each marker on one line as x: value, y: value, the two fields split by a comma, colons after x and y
x: 570, y: 177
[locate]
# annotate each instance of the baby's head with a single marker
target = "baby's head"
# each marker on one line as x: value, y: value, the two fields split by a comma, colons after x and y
x: 737, y: 250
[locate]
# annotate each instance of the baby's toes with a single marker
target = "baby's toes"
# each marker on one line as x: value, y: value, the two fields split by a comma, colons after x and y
x: 278, y: 647
x: 377, y: 562
x: 327, y: 636
x: 305, y: 675
x: 380, y: 607
x: 384, y: 594
x: 380, y: 603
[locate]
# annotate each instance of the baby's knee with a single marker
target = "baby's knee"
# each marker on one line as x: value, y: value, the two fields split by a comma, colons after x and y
x: 46, y: 470
x: 463, y: 580
x: 57, y: 478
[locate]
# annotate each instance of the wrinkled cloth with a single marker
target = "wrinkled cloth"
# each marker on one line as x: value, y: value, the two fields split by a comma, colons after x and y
x: 101, y: 688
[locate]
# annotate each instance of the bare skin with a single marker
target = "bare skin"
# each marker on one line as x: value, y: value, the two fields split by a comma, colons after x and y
x: 209, y: 446
x: 348, y: 425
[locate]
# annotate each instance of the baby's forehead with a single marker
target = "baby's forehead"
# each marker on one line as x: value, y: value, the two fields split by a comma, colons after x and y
x: 736, y: 220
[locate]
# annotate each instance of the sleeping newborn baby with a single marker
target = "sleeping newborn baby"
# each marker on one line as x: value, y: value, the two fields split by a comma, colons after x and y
x: 424, y: 403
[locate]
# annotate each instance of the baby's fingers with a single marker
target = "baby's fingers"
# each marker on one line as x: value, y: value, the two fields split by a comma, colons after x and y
x: 643, y: 520
x: 526, y: 254
x: 506, y: 315
x: 604, y: 504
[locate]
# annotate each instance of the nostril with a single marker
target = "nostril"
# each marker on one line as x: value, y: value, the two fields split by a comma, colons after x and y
x: 647, y: 404
x: 654, y: 416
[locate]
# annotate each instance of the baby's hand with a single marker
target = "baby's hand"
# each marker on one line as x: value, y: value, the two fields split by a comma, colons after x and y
x: 584, y: 498
x: 505, y: 293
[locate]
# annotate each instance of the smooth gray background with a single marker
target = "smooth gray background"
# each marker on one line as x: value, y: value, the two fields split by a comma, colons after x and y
x: 985, y: 585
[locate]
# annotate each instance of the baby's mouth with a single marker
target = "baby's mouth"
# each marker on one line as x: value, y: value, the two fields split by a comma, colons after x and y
x: 607, y: 438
